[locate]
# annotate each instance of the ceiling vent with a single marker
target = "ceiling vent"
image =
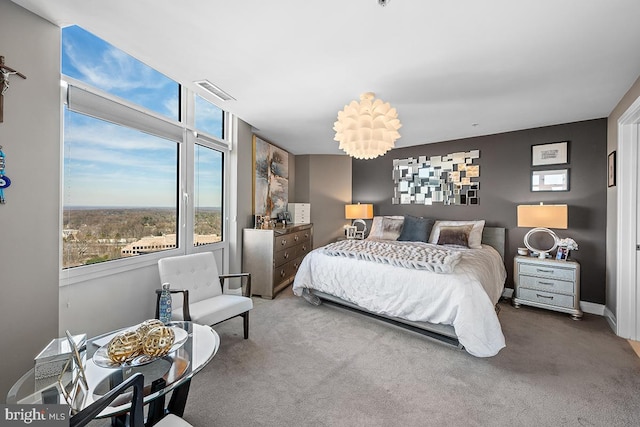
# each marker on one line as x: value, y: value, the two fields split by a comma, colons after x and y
x: 214, y: 90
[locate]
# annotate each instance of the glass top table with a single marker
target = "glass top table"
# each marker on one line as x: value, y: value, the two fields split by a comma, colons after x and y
x: 172, y: 372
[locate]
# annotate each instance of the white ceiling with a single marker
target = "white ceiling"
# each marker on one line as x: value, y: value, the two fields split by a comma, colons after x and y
x: 445, y: 65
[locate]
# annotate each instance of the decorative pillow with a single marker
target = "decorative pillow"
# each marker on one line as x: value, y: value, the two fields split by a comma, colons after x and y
x: 455, y: 235
x: 377, y: 227
x: 391, y: 228
x: 475, y: 236
x: 416, y: 229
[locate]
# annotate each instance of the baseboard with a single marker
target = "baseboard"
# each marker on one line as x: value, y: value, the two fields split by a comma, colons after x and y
x: 611, y: 319
x: 587, y: 307
x: 592, y: 308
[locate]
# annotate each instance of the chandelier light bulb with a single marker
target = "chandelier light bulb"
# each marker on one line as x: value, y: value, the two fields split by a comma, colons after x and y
x: 367, y: 129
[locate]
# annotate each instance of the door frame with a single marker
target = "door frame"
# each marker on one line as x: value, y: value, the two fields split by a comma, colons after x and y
x: 627, y: 293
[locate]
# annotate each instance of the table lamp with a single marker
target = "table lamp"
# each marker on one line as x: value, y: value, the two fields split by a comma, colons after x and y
x: 542, y: 217
x: 358, y: 213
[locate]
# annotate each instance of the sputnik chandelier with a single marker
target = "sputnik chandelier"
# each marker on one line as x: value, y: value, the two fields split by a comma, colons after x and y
x: 367, y: 129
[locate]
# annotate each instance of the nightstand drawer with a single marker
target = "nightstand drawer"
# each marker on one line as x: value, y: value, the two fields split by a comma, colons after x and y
x: 546, y: 297
x: 547, y: 271
x: 544, y: 284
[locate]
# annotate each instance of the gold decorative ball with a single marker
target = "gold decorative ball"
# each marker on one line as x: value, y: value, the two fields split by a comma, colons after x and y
x: 146, y: 326
x: 158, y: 341
x: 124, y: 346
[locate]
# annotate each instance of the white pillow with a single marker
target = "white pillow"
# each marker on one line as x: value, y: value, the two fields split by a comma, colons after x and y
x: 475, y: 237
x: 378, y: 229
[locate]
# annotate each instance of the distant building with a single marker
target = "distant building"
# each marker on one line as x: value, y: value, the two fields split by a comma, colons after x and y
x: 160, y: 243
x: 150, y: 244
x: 69, y: 233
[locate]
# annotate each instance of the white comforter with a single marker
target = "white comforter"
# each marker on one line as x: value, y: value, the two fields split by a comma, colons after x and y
x: 464, y: 298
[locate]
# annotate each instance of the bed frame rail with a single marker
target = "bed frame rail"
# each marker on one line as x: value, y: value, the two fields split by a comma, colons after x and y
x: 441, y: 333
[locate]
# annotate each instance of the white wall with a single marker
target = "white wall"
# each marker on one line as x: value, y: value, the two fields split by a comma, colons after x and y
x: 29, y: 240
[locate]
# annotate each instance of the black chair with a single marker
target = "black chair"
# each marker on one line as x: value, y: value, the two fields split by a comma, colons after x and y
x: 136, y: 414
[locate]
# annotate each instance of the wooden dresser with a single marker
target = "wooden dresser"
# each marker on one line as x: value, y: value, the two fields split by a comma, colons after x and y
x: 273, y: 256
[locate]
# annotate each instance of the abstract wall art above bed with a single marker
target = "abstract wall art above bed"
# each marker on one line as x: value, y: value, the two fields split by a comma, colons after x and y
x: 452, y: 179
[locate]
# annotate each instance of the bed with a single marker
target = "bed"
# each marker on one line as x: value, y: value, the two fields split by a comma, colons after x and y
x: 455, y: 305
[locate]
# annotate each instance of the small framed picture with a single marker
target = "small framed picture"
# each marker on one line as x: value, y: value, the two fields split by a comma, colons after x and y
x: 555, y: 153
x: 550, y: 180
x: 562, y: 254
x: 350, y: 231
x: 611, y: 169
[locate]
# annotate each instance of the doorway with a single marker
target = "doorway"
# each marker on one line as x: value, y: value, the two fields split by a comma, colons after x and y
x: 628, y: 258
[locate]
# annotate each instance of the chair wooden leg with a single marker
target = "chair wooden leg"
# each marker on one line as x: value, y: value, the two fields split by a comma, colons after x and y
x: 245, y: 317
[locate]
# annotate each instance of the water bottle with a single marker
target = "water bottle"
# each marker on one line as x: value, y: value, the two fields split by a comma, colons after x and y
x: 165, y: 304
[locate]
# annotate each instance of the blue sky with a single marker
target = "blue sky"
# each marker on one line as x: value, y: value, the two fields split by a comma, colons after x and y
x: 111, y: 165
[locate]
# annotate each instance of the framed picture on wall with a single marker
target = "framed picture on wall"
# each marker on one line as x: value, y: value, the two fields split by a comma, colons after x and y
x: 611, y: 169
x: 555, y: 153
x: 550, y: 180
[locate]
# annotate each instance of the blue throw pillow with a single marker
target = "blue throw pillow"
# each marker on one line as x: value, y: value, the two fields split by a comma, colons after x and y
x: 416, y: 229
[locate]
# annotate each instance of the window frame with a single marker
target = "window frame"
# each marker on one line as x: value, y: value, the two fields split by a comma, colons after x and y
x: 119, y: 110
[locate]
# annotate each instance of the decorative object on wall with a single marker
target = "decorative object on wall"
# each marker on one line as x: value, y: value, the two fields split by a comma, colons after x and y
x: 367, y: 129
x: 550, y: 180
x: 4, y: 180
x: 542, y: 218
x: 451, y: 179
x: 555, y: 153
x: 5, y: 73
x: 611, y: 169
x: 358, y: 213
x: 271, y: 179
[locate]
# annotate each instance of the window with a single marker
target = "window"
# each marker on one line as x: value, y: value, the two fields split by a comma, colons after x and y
x: 129, y: 160
x: 207, y: 192
x: 120, y: 188
x: 209, y: 118
x: 95, y: 62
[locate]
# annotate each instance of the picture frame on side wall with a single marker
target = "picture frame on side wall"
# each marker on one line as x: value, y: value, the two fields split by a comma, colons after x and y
x: 611, y: 169
x: 555, y: 153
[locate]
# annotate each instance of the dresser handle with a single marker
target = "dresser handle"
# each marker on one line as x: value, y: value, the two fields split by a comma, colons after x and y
x: 540, y: 270
x: 295, y: 238
x: 286, y: 255
x: 544, y: 296
x: 283, y: 242
x: 546, y: 283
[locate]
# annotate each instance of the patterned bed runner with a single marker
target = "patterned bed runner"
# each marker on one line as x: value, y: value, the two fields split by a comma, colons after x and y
x: 420, y: 256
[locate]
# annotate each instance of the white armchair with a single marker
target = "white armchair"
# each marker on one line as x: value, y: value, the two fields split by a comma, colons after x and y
x: 204, y: 297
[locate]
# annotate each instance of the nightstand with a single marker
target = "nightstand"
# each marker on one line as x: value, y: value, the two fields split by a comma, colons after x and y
x: 547, y: 283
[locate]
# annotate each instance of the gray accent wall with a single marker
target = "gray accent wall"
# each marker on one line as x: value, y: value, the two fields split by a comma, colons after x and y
x: 30, y: 136
x: 505, y: 174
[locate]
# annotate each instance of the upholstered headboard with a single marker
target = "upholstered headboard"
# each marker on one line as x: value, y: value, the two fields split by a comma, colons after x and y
x: 494, y: 237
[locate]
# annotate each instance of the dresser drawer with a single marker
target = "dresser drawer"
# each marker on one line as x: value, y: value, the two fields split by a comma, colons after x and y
x: 545, y: 284
x: 547, y: 271
x: 284, y: 256
x: 302, y: 236
x: 546, y: 297
x: 284, y: 241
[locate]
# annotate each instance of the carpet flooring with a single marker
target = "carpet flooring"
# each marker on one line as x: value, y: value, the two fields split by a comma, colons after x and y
x: 324, y: 366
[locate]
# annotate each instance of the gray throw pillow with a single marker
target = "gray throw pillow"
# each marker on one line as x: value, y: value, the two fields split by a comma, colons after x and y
x: 416, y: 229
